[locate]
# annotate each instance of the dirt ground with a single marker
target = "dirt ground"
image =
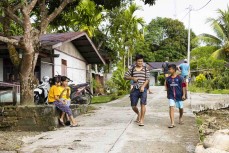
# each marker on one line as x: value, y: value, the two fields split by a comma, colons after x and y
x: 11, y: 141
x: 212, y: 120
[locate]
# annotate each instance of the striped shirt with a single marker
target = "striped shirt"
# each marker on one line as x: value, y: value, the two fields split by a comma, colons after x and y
x: 142, y: 75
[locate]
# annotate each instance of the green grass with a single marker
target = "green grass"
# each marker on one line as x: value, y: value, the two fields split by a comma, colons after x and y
x: 101, y: 99
x: 204, y: 90
x: 199, y: 122
x: 104, y: 99
x: 224, y: 91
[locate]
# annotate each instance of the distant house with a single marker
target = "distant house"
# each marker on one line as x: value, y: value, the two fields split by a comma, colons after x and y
x: 69, y: 54
x: 156, y: 70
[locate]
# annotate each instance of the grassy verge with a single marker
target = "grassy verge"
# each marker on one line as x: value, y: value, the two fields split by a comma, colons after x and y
x: 204, y: 90
x: 199, y: 122
x: 105, y: 99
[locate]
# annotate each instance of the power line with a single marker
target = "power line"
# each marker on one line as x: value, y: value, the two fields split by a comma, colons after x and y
x: 191, y: 9
x: 202, y: 6
x: 185, y: 15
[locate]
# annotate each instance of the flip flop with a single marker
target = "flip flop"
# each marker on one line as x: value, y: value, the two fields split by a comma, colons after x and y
x: 137, y: 121
x: 171, y: 126
x: 61, y: 122
x: 77, y: 125
x: 141, y: 124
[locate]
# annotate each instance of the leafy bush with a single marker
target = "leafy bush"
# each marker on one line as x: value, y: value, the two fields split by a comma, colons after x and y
x: 111, y: 87
x: 114, y: 96
x: 161, y: 79
x: 200, y: 79
x: 122, y: 92
x: 118, y: 79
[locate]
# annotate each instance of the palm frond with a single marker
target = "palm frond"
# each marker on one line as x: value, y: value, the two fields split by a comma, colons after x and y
x: 218, y: 28
x: 208, y: 39
x: 219, y: 54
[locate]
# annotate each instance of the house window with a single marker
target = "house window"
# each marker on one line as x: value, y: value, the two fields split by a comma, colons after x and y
x: 63, y: 67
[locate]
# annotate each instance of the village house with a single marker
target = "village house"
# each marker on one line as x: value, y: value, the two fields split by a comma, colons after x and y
x: 70, y: 54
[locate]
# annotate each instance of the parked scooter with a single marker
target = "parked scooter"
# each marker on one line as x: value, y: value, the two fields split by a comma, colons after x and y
x: 81, y: 93
x: 41, y: 92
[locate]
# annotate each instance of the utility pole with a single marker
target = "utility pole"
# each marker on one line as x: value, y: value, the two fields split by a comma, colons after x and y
x: 189, y: 33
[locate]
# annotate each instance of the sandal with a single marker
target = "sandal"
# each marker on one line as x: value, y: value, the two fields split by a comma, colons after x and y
x: 61, y: 122
x: 137, y: 121
x: 141, y: 124
x: 77, y: 125
x: 171, y: 126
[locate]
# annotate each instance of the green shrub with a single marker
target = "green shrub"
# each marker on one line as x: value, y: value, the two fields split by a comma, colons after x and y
x: 111, y: 86
x: 114, y: 96
x: 118, y: 79
x: 200, y: 79
x: 161, y: 79
x: 122, y: 92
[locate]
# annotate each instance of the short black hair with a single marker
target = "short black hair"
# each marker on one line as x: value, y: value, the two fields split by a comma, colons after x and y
x: 173, y: 66
x: 55, y: 80
x: 64, y: 78
x: 139, y: 56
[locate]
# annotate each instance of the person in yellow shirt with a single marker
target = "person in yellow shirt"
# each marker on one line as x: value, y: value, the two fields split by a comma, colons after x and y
x: 65, y: 95
x: 54, y: 98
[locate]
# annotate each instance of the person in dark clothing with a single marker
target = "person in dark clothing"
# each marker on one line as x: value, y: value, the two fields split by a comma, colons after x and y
x: 175, y: 85
x: 165, y: 68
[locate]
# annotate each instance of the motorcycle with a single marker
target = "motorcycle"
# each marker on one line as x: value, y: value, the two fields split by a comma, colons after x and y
x: 41, y: 92
x: 81, y: 93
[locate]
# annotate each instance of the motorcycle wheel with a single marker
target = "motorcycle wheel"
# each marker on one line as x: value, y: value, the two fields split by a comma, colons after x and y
x: 36, y: 99
x: 88, y: 97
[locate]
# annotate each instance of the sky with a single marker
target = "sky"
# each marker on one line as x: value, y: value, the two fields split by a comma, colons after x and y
x: 177, y: 9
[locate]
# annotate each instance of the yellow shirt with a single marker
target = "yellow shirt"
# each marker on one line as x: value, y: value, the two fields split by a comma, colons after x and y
x: 54, y: 91
x: 64, y: 95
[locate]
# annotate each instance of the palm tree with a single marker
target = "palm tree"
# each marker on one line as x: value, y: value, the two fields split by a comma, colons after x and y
x: 132, y: 29
x: 86, y: 17
x: 221, y: 39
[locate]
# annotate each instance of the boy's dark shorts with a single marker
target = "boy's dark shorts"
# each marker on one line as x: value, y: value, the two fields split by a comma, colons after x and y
x: 136, y: 94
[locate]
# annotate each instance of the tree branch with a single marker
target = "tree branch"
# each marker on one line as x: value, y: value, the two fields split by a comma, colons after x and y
x: 17, y: 7
x: 14, y: 17
x: 31, y: 6
x: 8, y: 40
x: 44, y: 12
x: 58, y: 10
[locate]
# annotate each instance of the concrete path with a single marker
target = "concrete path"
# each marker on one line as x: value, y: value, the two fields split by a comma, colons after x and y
x: 204, y: 101
x: 111, y: 129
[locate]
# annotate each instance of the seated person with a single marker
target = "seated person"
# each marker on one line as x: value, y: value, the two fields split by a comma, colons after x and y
x: 54, y: 98
x: 65, y: 95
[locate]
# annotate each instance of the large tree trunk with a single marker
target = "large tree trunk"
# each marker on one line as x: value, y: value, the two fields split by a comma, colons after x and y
x: 26, y: 94
x: 27, y: 79
x: 29, y: 41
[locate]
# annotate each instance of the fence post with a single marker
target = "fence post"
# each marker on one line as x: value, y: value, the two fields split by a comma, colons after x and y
x: 14, y: 94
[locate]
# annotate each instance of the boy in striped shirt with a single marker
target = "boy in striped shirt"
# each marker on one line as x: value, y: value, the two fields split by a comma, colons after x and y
x: 140, y: 75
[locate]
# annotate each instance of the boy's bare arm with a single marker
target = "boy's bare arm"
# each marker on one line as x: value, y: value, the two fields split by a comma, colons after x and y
x: 184, y: 93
